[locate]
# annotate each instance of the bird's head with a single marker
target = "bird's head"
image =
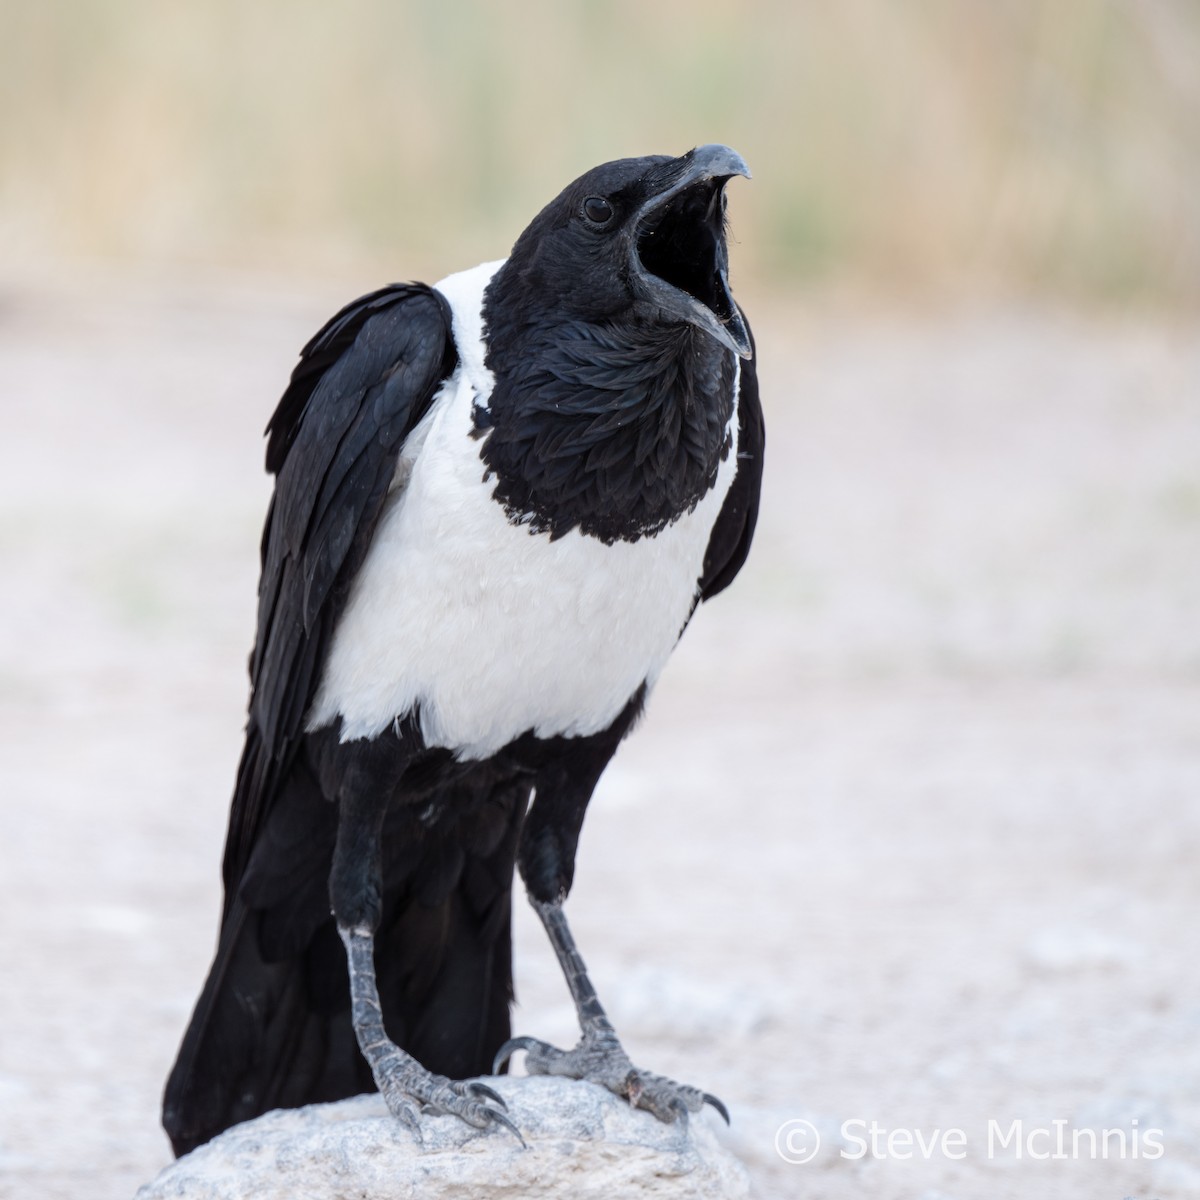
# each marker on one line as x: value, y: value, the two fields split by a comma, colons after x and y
x: 639, y: 238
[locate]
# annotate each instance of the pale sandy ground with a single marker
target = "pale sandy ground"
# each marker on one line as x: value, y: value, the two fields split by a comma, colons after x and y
x: 910, y: 835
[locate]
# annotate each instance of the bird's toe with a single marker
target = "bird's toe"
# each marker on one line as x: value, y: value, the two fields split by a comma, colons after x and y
x: 604, y: 1061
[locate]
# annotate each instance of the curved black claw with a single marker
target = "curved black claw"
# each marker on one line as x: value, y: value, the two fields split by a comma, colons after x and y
x: 405, y: 1086
x: 503, y: 1119
x: 709, y: 1098
x: 474, y: 1088
x: 510, y: 1048
x: 460, y: 1099
x: 470, y: 1093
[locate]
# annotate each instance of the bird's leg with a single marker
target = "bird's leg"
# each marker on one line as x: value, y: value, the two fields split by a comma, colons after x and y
x: 599, y: 1056
x: 547, y: 862
x: 355, y: 886
x: 402, y: 1081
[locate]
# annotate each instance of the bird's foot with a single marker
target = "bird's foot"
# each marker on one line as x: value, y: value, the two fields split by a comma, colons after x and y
x: 601, y: 1059
x: 409, y: 1089
x: 405, y: 1085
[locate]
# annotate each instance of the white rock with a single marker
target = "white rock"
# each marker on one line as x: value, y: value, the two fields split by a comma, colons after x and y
x: 583, y: 1143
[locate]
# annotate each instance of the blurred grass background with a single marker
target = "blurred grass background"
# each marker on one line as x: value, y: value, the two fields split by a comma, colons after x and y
x: 1044, y: 146
x: 954, y: 694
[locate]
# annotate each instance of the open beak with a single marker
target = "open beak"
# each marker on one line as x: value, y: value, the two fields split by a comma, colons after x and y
x: 678, y: 251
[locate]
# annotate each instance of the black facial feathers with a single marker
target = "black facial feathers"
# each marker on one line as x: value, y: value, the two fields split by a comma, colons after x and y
x: 611, y: 409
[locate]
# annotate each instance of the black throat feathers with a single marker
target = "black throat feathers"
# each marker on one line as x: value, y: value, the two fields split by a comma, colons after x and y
x: 613, y: 428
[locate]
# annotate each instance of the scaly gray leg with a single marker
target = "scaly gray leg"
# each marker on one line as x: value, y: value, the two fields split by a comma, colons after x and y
x: 402, y: 1081
x: 599, y: 1055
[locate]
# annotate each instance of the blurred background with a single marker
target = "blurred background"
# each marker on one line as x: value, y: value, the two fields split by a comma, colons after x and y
x: 910, y: 832
x: 1047, y: 147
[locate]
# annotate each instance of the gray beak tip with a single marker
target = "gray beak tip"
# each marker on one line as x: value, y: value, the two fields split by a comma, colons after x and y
x: 716, y: 159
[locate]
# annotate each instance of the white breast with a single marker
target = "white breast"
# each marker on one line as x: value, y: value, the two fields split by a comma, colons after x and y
x: 490, y: 629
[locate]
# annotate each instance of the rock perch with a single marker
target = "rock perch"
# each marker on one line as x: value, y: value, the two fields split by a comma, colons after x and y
x: 583, y: 1143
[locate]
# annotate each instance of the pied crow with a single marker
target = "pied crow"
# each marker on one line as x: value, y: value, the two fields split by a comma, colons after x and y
x: 498, y: 502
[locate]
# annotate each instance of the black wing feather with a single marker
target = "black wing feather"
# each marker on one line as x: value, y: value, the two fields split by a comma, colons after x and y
x: 362, y: 384
x: 729, y: 542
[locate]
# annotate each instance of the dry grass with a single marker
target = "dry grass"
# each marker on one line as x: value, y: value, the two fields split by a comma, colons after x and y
x: 1049, y: 146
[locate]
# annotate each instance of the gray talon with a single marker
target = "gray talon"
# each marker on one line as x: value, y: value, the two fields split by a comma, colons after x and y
x: 501, y: 1119
x: 709, y: 1098
x: 508, y: 1050
x: 475, y: 1088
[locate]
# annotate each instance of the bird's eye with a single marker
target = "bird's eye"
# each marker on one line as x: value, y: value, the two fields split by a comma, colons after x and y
x: 597, y: 210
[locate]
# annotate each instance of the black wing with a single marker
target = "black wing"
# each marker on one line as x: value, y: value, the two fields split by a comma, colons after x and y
x: 361, y: 385
x: 729, y: 542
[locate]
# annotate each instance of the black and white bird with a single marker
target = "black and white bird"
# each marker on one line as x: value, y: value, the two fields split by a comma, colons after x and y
x: 498, y: 502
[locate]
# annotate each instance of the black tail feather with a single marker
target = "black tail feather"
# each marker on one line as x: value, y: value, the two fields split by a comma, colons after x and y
x: 272, y: 1026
